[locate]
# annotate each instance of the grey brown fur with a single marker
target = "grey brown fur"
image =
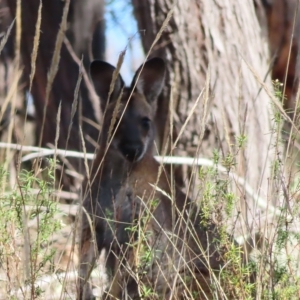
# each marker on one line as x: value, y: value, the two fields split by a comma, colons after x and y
x: 122, y: 195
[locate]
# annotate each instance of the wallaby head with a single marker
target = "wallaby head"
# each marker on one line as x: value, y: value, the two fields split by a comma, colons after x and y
x: 132, y: 109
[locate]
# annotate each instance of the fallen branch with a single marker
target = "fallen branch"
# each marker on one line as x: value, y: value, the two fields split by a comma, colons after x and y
x: 190, y: 161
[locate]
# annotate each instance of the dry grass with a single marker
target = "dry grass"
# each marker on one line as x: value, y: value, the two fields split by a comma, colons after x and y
x: 34, y: 221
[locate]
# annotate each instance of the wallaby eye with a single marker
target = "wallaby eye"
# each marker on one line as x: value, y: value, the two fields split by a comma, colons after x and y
x: 146, y: 123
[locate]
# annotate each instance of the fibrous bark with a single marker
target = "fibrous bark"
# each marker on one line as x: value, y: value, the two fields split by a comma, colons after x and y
x: 219, y: 38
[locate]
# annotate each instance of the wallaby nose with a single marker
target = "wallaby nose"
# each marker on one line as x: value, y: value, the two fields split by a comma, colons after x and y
x: 132, y: 151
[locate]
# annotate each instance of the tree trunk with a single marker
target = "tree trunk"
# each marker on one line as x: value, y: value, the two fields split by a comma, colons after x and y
x: 283, y: 32
x: 65, y: 81
x: 88, y: 29
x: 217, y: 38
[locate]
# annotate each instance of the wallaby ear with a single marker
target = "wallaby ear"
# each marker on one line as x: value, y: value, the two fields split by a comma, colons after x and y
x: 102, y: 74
x: 151, y: 80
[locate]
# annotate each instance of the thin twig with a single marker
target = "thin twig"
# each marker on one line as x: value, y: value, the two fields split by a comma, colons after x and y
x: 190, y: 161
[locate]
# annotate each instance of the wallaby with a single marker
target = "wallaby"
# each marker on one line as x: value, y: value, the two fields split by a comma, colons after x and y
x: 125, y: 185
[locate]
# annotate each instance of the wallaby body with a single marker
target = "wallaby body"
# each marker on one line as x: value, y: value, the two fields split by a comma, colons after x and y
x: 121, y: 190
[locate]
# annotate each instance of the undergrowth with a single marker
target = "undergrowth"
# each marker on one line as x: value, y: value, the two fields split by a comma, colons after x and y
x: 261, y: 256
x: 28, y: 217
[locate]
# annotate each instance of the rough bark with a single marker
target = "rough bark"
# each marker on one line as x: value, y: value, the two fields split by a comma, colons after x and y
x: 217, y: 37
